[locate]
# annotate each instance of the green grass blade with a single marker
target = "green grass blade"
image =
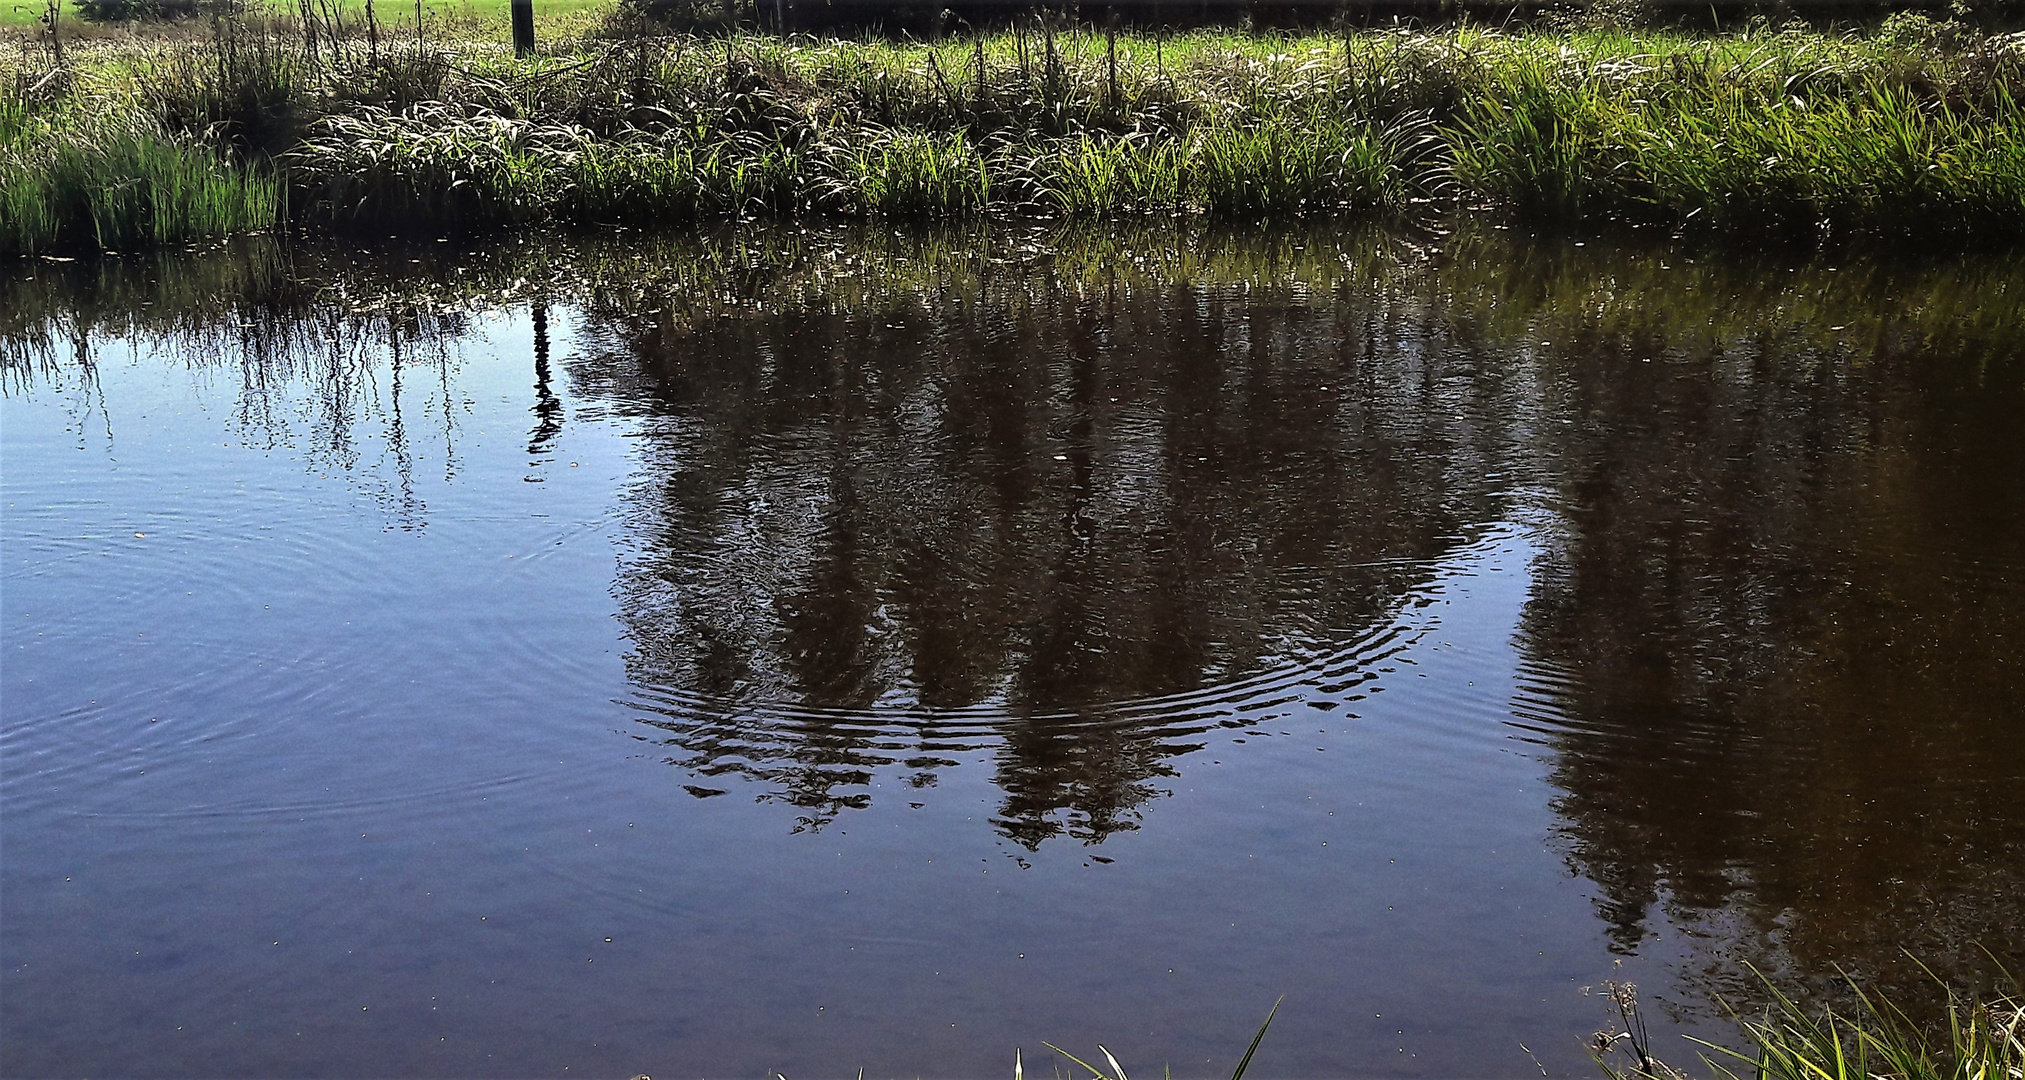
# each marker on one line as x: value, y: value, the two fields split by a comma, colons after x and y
x: 1246, y: 1061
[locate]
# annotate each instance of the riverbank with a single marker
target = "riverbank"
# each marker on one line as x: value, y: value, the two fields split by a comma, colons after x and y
x: 1915, y: 129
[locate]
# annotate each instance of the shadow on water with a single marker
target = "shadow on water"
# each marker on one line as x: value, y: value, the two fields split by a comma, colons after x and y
x: 1066, y: 503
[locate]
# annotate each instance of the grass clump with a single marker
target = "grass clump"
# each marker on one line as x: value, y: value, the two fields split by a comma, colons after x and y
x: 1874, y: 1040
x: 1281, y: 165
x: 906, y: 174
x: 118, y: 186
x: 1827, y: 147
x: 625, y: 179
x: 431, y: 166
x: 1093, y: 174
x: 1532, y: 140
x: 136, y: 187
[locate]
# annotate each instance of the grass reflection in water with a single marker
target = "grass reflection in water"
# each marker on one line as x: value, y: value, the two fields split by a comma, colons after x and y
x: 1062, y: 502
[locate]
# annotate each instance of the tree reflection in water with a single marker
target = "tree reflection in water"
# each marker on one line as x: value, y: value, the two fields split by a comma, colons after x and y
x: 906, y: 503
x: 1066, y: 522
x: 1771, y: 645
x: 1777, y: 652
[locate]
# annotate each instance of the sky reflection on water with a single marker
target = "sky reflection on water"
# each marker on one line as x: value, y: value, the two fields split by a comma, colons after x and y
x: 906, y: 648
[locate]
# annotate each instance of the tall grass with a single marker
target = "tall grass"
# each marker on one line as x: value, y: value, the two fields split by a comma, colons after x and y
x: 1875, y: 1040
x: 431, y: 166
x: 1896, y: 134
x: 118, y: 186
x: 245, y: 94
x: 1532, y: 139
x: 1874, y: 154
x: 905, y: 174
x: 1291, y: 163
x: 1100, y: 175
x: 136, y: 188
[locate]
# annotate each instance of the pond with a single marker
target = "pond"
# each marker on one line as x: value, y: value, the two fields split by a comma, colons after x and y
x: 805, y: 650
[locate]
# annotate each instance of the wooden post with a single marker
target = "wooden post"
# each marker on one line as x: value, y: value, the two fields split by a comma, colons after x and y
x: 523, y: 27
x: 52, y: 17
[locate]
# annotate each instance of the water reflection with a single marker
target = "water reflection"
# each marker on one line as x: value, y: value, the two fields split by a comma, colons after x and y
x: 1779, y: 640
x: 349, y: 362
x: 1066, y: 520
x: 1070, y: 504
x: 548, y: 408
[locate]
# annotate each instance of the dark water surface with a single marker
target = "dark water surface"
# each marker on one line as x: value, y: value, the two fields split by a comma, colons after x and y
x: 806, y: 651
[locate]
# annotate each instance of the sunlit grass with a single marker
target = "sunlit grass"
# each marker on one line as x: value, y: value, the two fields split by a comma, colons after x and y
x: 1795, y: 131
x: 1875, y: 1039
x: 116, y: 187
x: 470, y: 18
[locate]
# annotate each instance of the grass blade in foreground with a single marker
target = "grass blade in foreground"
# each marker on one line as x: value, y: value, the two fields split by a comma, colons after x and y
x: 1246, y: 1061
x: 1984, y: 1040
x: 1118, y: 1071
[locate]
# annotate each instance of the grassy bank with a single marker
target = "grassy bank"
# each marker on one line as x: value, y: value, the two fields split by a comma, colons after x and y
x: 1913, y: 129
